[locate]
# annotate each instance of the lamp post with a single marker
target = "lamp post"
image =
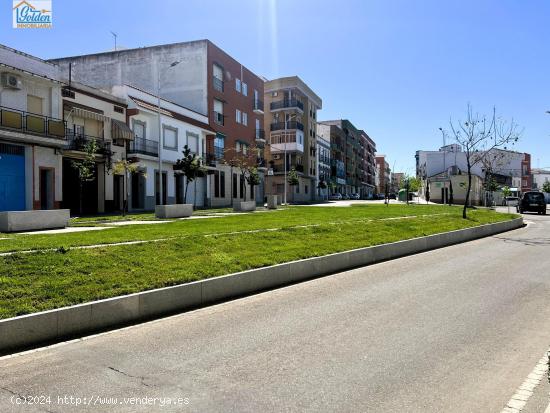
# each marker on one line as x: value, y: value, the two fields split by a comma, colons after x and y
x: 160, y: 127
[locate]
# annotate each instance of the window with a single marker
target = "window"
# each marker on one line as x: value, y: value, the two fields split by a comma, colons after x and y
x: 34, y: 104
x: 218, y: 112
x: 193, y: 142
x: 245, y: 89
x: 274, y: 94
x: 219, y: 146
x: 235, y: 194
x: 237, y: 84
x: 238, y: 117
x: 241, y: 186
x: 139, y: 128
x: 305, y: 189
x: 217, y: 80
x: 170, y: 137
x: 245, y: 119
x: 257, y: 124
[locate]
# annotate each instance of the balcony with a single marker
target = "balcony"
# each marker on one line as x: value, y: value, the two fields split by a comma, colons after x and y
x: 286, y: 125
x: 287, y: 104
x: 143, y: 147
x: 287, y: 140
x: 19, y: 121
x: 217, y: 84
x: 78, y: 141
x: 260, y: 136
x: 258, y: 107
x: 261, y: 164
x: 218, y: 118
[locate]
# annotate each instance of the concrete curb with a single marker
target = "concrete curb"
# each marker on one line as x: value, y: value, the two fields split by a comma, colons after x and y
x: 59, y: 324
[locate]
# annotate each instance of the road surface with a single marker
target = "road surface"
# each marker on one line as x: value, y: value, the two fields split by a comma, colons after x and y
x: 452, y: 330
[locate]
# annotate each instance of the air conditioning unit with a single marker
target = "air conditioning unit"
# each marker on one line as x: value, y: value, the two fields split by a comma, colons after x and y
x: 276, y: 156
x: 9, y: 80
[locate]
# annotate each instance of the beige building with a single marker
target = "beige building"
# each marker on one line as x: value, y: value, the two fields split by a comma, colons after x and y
x: 291, y: 119
x: 448, y: 188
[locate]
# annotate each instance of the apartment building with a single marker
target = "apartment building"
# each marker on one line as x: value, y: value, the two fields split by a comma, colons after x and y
x: 348, y: 155
x: 94, y: 115
x: 179, y: 127
x: 201, y: 77
x: 369, y: 166
x: 323, y: 168
x: 383, y: 175
x: 291, y: 113
x: 32, y: 133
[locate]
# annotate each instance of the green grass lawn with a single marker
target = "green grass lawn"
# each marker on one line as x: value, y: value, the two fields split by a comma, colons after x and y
x: 190, y: 250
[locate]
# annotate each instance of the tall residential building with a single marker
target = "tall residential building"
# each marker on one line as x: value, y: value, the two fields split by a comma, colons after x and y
x: 383, y: 174
x: 323, y: 167
x: 32, y: 133
x: 348, y: 146
x: 369, y: 166
x: 291, y: 113
x: 199, y: 76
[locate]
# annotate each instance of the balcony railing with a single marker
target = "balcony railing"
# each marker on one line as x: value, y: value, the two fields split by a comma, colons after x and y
x: 144, y: 147
x: 258, y: 106
x: 21, y: 121
x: 287, y: 125
x: 287, y: 104
x: 218, y: 118
x: 260, y: 134
x: 78, y: 141
x: 261, y: 163
x: 217, y: 83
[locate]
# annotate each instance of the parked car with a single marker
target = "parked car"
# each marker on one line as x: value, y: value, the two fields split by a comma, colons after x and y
x: 354, y: 196
x: 532, y: 201
x: 345, y: 196
x: 335, y: 197
x: 510, y: 201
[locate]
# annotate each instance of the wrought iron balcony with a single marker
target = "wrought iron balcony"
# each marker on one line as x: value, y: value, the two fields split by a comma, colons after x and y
x: 218, y: 118
x: 286, y: 125
x: 217, y: 84
x: 20, y: 121
x: 258, y: 107
x: 144, y: 147
x: 77, y: 142
x: 287, y: 104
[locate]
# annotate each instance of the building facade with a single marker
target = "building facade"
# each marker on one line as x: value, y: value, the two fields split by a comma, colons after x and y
x: 291, y: 113
x: 180, y: 127
x: 383, y: 175
x: 32, y: 133
x: 369, y: 166
x: 201, y: 77
x: 323, y: 168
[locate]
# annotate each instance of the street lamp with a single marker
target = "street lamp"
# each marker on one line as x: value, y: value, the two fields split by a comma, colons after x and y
x: 160, y: 127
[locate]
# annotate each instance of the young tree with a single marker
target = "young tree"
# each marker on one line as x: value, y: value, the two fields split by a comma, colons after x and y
x: 246, y: 161
x: 292, y: 179
x: 478, y: 135
x: 85, y: 168
x: 252, y: 179
x: 191, y: 167
x: 506, y: 192
x: 125, y: 167
x: 546, y: 187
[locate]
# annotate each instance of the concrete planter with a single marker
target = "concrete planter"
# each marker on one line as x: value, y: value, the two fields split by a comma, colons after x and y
x: 15, y: 221
x: 244, y: 206
x: 272, y: 201
x: 174, y: 211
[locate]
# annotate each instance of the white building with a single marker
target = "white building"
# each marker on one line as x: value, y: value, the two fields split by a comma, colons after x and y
x: 180, y: 126
x: 32, y: 132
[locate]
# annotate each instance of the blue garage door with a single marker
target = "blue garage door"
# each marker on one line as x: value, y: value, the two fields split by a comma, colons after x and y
x: 12, y: 177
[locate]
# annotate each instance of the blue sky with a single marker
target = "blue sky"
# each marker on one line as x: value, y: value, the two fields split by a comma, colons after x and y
x: 397, y: 69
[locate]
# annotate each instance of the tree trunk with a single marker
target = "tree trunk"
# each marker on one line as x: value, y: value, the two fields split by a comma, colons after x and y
x: 467, y: 200
x: 80, y: 198
x: 185, y: 191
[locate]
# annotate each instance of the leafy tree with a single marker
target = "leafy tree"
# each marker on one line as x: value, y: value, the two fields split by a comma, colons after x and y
x: 478, y: 135
x: 85, y: 168
x: 252, y: 179
x: 546, y: 186
x: 191, y: 167
x: 125, y: 167
x: 246, y: 161
x: 322, y: 184
x: 292, y: 177
x: 413, y: 181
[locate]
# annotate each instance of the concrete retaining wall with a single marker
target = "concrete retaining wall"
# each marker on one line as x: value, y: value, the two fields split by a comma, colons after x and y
x: 15, y: 221
x: 55, y: 325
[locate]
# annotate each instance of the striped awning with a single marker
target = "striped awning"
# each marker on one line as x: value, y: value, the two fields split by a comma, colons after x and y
x: 119, y: 130
x: 88, y: 114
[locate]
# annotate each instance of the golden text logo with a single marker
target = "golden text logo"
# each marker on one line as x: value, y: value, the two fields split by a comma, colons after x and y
x: 32, y: 14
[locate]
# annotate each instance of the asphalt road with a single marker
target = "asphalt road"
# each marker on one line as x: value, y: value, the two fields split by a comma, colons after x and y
x: 452, y: 330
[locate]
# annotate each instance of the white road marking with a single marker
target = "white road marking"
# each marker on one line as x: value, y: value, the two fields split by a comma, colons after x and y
x: 525, y: 391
